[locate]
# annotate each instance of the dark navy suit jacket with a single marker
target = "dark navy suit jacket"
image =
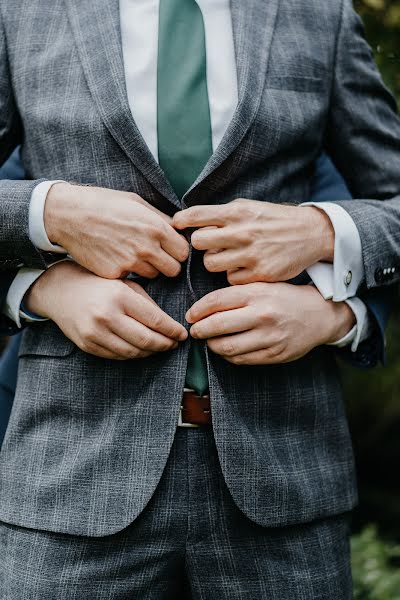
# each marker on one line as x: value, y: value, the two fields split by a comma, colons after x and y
x: 327, y: 186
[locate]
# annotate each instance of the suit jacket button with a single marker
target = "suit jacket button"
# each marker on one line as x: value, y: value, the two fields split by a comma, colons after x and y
x: 379, y: 276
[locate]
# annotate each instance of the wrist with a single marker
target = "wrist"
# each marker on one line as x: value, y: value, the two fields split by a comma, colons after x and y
x: 320, y: 233
x: 42, y: 295
x: 57, y: 211
x: 341, y: 322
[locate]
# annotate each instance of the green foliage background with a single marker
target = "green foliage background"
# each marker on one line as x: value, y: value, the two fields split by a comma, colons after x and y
x: 373, y: 397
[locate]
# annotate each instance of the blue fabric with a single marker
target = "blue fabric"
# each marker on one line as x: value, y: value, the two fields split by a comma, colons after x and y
x: 12, y: 169
x: 8, y: 382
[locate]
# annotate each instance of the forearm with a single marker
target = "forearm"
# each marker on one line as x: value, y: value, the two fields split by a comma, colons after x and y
x: 363, y: 138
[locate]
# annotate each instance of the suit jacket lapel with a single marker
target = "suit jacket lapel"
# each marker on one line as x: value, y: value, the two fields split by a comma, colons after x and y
x: 253, y: 29
x: 96, y: 28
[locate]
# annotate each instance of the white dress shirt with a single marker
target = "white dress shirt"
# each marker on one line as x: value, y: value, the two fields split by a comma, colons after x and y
x: 139, y: 33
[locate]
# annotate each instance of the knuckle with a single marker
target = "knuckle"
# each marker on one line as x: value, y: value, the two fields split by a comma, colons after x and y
x: 88, y: 333
x: 155, y: 231
x: 253, y: 257
x: 86, y: 343
x: 144, y: 341
x: 166, y: 345
x: 237, y: 360
x: 184, y: 253
x: 219, y: 322
x: 133, y: 353
x: 116, y: 271
x: 146, y: 253
x: 228, y: 347
x: 210, y: 262
x: 264, y: 315
x: 174, y: 269
x: 233, y: 277
x: 157, y: 321
x: 215, y: 300
x: 163, y: 231
x: 274, y: 352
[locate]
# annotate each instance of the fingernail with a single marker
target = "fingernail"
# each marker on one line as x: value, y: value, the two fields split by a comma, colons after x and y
x: 193, y: 331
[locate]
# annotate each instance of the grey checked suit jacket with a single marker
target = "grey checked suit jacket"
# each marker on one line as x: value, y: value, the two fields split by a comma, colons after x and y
x: 88, y: 438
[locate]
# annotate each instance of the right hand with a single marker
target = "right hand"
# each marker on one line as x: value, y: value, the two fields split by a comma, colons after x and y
x: 110, y: 319
x: 113, y: 233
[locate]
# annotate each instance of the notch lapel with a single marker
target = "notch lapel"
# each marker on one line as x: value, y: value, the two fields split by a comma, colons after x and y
x: 96, y: 29
x: 253, y: 28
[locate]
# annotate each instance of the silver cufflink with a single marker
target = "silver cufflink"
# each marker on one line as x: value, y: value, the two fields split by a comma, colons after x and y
x: 348, y: 278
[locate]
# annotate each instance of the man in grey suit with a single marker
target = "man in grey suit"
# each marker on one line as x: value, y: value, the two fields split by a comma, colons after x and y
x: 169, y: 116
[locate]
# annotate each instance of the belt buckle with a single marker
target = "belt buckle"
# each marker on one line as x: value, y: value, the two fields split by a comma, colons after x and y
x: 180, y: 422
x: 187, y: 425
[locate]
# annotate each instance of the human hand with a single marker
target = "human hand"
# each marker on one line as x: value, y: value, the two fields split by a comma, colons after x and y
x: 267, y: 323
x: 112, y: 233
x: 111, y: 319
x: 259, y: 241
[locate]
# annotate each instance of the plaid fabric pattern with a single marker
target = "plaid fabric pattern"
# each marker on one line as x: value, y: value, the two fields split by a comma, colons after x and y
x: 191, y: 542
x: 89, y: 438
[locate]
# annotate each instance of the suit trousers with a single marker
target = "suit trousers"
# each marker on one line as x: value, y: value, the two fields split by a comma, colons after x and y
x: 191, y: 541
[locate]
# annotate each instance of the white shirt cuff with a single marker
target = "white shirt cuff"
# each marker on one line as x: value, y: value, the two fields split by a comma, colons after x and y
x: 341, y: 280
x: 21, y: 284
x: 361, y: 330
x: 37, y: 231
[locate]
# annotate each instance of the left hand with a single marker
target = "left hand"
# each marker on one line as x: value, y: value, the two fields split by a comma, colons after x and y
x: 264, y: 323
x: 259, y: 241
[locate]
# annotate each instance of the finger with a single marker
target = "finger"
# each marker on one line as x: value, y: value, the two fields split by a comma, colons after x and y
x: 217, y: 262
x: 139, y: 290
x: 140, y: 336
x: 175, y: 244
x: 242, y: 276
x: 260, y: 357
x: 151, y: 315
x: 214, y: 238
x: 116, y: 349
x: 165, y: 264
x: 241, y: 343
x: 218, y: 301
x: 145, y: 269
x: 224, y: 323
x: 201, y: 216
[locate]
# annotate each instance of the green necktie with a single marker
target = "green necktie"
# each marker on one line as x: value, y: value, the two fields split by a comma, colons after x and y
x: 183, y: 118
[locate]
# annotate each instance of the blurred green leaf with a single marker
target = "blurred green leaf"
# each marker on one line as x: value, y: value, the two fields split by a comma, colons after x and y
x: 375, y: 563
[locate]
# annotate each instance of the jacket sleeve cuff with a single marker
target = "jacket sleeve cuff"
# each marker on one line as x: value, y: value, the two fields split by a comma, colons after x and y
x: 16, y: 247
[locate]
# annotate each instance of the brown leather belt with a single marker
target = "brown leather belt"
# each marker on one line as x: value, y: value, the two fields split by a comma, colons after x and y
x: 195, y: 410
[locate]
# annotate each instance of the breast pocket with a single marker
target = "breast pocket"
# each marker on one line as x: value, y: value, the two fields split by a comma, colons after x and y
x: 297, y: 84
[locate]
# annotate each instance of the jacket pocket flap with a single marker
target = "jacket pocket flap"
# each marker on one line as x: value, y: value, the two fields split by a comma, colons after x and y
x: 45, y: 339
